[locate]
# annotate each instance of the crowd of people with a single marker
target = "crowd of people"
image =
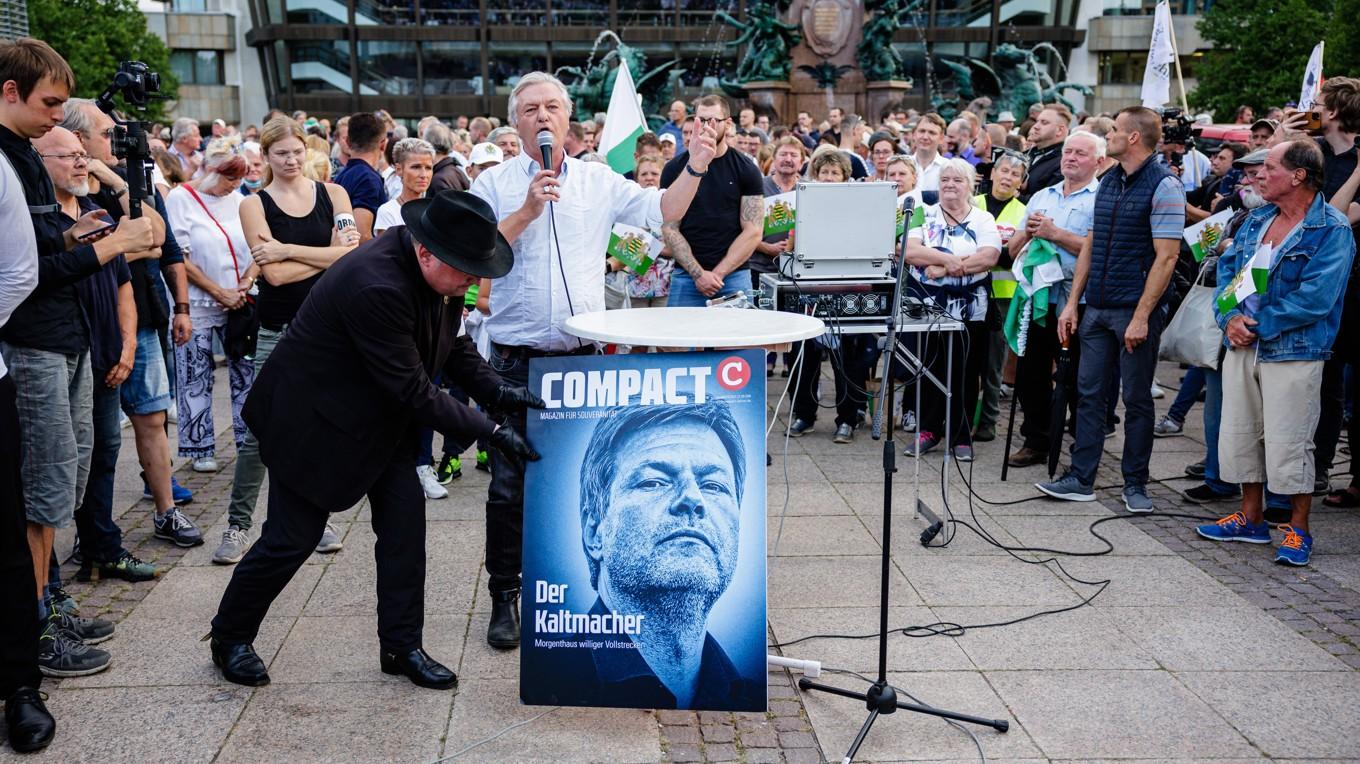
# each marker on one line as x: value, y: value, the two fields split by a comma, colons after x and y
x: 244, y: 247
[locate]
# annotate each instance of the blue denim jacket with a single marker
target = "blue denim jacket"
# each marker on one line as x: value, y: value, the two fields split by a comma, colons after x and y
x: 1300, y: 312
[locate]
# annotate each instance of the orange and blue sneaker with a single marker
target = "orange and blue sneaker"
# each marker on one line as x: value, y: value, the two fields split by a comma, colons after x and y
x: 1297, y: 547
x: 1235, y: 527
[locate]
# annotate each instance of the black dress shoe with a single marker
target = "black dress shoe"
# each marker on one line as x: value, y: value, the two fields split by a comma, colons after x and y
x: 31, y: 727
x: 420, y: 668
x: 503, y: 631
x: 239, y: 663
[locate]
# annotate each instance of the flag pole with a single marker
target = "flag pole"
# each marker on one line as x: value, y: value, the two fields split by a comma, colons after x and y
x: 1171, y: 28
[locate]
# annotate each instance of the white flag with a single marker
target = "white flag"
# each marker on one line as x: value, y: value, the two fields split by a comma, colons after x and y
x: 624, y: 123
x: 1312, y: 79
x: 1161, y: 57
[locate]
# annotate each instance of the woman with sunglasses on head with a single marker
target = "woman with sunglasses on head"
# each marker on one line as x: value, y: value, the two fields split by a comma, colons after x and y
x: 205, y: 215
x: 290, y: 226
x: 949, y: 257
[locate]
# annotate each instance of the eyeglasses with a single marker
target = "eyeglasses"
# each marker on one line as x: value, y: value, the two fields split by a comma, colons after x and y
x: 73, y: 158
x: 1016, y: 155
x: 711, y: 120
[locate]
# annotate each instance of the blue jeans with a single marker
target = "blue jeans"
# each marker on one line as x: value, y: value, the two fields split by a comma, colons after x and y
x: 1191, y: 384
x: 685, y: 295
x: 1102, y: 346
x: 101, y: 540
x: 1213, y: 414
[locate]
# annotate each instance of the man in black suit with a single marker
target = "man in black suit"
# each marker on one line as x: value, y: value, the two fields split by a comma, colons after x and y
x: 345, y: 393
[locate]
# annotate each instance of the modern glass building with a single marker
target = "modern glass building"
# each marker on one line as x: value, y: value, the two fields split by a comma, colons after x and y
x: 450, y: 57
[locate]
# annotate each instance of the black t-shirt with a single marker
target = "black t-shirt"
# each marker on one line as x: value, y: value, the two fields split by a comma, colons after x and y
x: 713, y: 220
x: 1336, y: 168
x: 147, y: 291
x: 99, y: 300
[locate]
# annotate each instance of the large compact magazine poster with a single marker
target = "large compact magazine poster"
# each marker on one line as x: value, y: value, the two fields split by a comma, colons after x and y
x: 644, y: 532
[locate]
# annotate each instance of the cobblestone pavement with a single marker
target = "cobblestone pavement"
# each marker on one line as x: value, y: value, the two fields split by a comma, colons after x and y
x: 1194, y: 652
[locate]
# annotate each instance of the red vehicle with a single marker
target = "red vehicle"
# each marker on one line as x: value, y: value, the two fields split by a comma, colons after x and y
x: 1209, y: 137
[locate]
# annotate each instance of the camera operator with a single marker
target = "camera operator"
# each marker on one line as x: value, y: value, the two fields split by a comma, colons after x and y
x: 145, y: 395
x: 1178, y: 150
x: 46, y: 343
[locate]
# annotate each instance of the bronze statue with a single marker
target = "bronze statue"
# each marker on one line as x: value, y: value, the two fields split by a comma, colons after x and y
x: 875, y: 53
x: 770, y: 42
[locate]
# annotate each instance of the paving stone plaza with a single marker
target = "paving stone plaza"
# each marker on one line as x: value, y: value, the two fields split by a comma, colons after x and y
x: 1193, y: 652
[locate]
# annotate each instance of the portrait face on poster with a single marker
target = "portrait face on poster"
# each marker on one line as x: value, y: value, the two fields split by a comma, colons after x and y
x: 644, y: 533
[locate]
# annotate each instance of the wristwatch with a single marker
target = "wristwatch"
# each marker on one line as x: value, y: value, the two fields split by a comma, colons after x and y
x: 120, y: 193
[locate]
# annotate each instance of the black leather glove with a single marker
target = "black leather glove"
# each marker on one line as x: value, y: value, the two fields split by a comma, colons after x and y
x: 511, y: 398
x: 512, y: 444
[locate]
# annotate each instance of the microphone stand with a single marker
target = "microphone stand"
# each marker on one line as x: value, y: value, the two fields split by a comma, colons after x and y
x: 881, y: 697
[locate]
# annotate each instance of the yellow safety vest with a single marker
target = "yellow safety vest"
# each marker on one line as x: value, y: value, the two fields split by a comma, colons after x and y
x: 1012, y: 216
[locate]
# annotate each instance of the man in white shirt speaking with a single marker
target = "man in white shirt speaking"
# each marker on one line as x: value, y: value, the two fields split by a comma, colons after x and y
x: 557, y: 221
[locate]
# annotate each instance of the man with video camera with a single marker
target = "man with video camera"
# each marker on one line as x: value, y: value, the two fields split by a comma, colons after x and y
x: 46, y: 346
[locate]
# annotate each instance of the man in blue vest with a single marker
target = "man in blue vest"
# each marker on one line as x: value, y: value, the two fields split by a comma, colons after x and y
x: 1122, y: 271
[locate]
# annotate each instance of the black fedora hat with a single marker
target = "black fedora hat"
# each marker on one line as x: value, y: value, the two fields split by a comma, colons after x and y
x: 460, y: 229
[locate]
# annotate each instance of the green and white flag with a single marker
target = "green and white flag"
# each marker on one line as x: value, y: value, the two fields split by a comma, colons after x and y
x: 1204, y: 236
x: 918, y: 219
x: 1248, y: 281
x: 636, y: 247
x: 779, y: 213
x: 1035, y: 272
x: 624, y: 124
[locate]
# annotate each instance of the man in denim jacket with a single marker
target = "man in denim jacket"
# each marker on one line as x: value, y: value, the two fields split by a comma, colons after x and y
x: 1278, y: 338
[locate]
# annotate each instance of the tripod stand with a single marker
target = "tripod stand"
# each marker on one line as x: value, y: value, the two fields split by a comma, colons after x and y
x: 881, y: 698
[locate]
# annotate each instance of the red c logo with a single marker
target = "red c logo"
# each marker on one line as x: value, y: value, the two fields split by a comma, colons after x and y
x: 733, y: 373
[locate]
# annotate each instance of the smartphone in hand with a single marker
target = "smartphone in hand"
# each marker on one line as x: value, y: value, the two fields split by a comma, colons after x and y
x: 98, y: 233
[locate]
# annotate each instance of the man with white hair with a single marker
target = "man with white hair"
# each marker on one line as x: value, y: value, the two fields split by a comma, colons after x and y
x: 1061, y: 216
x: 558, y: 223
x: 185, y: 142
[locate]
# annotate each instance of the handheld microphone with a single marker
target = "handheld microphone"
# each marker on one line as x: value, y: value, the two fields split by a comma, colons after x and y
x: 545, y: 146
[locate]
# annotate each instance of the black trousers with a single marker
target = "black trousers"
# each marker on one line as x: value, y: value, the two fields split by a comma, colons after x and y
x: 965, y: 380
x: 505, y: 497
x: 851, y: 367
x: 291, y: 534
x: 18, y: 600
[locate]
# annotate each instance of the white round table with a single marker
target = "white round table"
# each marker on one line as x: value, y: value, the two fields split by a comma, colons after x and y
x: 695, y: 327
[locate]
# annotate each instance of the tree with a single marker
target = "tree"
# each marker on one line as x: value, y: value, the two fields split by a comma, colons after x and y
x: 94, y: 36
x: 1343, y: 41
x: 1258, y: 51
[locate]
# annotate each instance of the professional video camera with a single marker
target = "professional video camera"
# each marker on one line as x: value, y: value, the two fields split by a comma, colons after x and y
x: 1177, y: 129
x: 138, y: 84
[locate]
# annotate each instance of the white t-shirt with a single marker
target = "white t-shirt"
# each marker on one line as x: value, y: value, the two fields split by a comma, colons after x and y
x: 389, y: 215
x: 204, y: 245
x: 963, y: 297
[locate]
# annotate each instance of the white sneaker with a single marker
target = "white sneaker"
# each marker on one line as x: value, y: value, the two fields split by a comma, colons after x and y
x: 909, y: 421
x: 123, y: 421
x: 430, y: 484
x: 206, y: 464
x: 1157, y: 392
x: 172, y: 413
x: 330, y: 540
